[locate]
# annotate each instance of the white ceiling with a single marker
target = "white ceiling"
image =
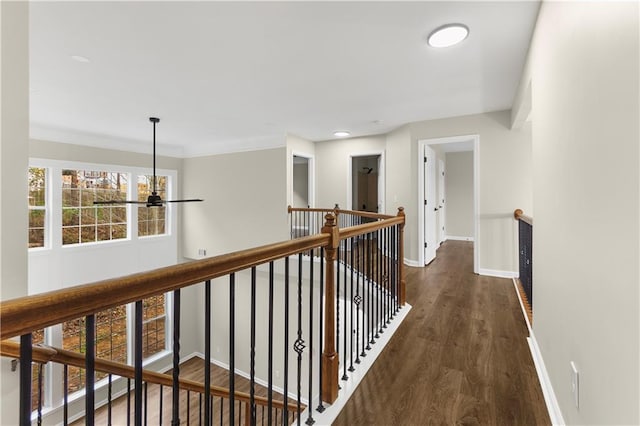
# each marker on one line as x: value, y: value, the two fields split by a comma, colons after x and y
x: 226, y: 76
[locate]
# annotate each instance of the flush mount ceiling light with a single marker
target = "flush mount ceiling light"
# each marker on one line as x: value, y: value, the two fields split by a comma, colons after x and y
x: 448, y: 35
x: 341, y: 133
x: 79, y: 58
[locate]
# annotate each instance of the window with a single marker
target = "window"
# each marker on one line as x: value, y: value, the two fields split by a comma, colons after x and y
x: 111, y: 337
x: 84, y: 222
x: 37, y: 206
x: 151, y: 220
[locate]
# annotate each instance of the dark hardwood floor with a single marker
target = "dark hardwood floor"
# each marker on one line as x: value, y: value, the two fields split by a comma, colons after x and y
x: 460, y: 356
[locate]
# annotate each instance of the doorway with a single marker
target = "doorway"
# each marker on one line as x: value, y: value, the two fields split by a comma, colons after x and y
x: 366, y: 177
x: 431, y: 216
x: 302, y: 181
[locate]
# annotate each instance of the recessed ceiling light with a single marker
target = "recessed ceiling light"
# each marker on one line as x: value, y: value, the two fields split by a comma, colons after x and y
x: 341, y: 133
x: 448, y: 35
x: 79, y: 58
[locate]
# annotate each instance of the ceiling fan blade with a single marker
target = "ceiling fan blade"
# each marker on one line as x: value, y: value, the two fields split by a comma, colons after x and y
x: 119, y: 202
x: 183, y: 201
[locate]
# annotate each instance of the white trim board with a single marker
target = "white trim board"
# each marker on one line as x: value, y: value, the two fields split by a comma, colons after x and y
x: 413, y: 263
x: 498, y: 274
x: 545, y: 382
x: 454, y: 238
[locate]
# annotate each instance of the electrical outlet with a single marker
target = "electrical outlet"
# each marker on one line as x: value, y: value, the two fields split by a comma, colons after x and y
x: 202, y: 252
x: 575, y: 385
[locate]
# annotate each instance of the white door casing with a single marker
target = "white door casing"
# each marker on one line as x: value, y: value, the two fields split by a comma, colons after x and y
x: 430, y: 206
x: 441, y: 202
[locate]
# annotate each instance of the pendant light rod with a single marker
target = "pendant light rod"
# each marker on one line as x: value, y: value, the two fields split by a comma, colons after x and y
x: 154, y: 120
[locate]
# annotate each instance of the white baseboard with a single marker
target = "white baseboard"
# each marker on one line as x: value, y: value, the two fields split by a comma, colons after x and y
x: 413, y: 263
x: 455, y: 238
x: 497, y: 273
x: 545, y: 383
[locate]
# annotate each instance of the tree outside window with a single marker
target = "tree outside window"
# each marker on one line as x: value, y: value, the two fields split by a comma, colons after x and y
x: 37, y: 206
x: 84, y: 222
x: 151, y: 220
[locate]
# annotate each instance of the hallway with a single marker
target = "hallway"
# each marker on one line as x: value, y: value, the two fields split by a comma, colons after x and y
x: 460, y: 357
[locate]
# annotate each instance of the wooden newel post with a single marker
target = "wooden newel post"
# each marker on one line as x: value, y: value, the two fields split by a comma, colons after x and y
x: 329, y: 355
x: 403, y: 290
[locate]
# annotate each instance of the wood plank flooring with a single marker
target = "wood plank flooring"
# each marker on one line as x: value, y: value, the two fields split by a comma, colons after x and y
x: 460, y: 356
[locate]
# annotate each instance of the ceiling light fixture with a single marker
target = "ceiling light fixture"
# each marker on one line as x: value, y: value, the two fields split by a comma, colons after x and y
x: 448, y: 35
x: 79, y: 58
x: 341, y: 133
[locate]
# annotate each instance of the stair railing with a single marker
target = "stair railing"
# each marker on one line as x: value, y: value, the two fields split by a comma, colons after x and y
x: 360, y: 273
x: 525, y: 255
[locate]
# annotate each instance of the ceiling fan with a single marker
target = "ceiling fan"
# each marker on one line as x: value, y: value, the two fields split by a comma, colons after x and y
x: 154, y: 200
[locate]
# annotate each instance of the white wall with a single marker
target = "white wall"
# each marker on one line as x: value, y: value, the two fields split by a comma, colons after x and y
x: 14, y: 135
x: 459, y: 194
x: 245, y: 201
x: 300, y: 184
x: 333, y: 166
x: 586, y: 191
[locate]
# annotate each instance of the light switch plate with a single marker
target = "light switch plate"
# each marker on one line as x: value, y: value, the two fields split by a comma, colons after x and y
x: 575, y: 385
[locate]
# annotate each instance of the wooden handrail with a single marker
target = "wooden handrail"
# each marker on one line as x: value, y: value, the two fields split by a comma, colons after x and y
x: 353, y: 231
x: 74, y: 302
x: 44, y: 354
x: 360, y: 213
x: 518, y: 214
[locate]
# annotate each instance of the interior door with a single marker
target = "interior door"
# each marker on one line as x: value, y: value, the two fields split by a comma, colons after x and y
x: 430, y: 205
x: 441, y: 216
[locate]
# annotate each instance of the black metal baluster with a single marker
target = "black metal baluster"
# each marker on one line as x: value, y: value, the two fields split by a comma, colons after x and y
x: 129, y: 401
x: 320, y: 407
x: 338, y: 305
x: 188, y: 407
x: 90, y: 368
x: 270, y: 355
x: 65, y: 396
x: 365, y: 297
x: 175, y: 391
x: 299, y: 345
x: 351, y: 306
x: 310, y: 420
x: 200, y: 409
x: 109, y: 400
x: 378, y: 285
x: 26, y: 358
x: 358, y: 299
x: 138, y: 365
x: 286, y: 335
x: 222, y: 411
x: 232, y: 347
x: 369, y: 292
x: 344, y: 322
x: 207, y: 352
x: 160, y: 420
x: 40, y: 394
x: 388, y: 275
x: 146, y: 402
x: 252, y: 391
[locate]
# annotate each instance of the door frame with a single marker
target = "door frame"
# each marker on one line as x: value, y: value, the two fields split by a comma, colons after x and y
x: 475, y: 140
x: 311, y: 190
x: 381, y: 179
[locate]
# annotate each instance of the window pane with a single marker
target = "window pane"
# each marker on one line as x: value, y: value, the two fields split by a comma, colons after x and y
x: 154, y: 324
x: 36, y: 227
x: 111, y: 342
x: 37, y: 206
x: 80, y: 189
x: 70, y: 235
x: 151, y: 220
